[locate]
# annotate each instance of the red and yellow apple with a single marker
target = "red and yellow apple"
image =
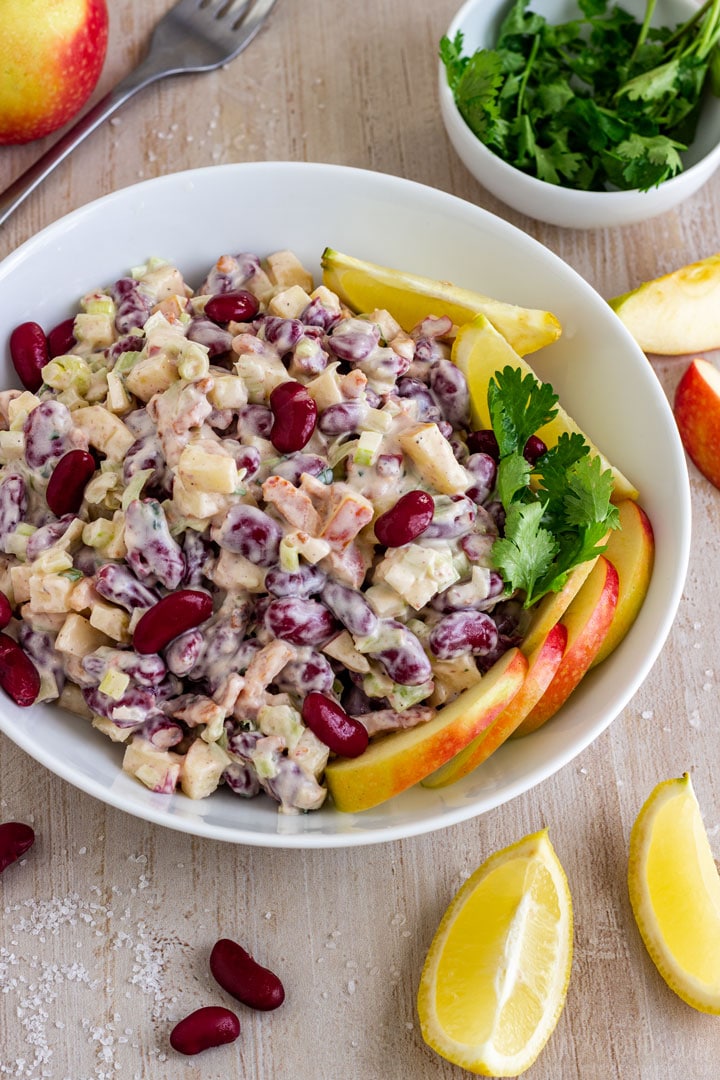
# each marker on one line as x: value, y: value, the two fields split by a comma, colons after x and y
x: 697, y: 413
x: 52, y: 55
x: 587, y: 620
x: 631, y: 550
x: 543, y: 662
x: 553, y: 606
x: 403, y: 758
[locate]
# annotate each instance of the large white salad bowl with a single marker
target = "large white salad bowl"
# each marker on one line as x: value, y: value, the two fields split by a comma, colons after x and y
x: 603, y: 379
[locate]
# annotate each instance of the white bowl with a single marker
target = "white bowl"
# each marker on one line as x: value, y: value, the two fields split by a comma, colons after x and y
x: 479, y: 21
x: 603, y: 378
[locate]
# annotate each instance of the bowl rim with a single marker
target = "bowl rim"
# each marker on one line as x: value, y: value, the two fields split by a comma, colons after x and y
x: 354, y: 835
x: 694, y: 174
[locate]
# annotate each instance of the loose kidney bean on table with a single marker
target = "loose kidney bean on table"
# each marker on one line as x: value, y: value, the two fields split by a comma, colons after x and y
x: 240, y: 975
x: 15, y: 839
x: 210, y: 1026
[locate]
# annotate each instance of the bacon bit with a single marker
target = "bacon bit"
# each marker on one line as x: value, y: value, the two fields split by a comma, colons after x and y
x: 349, y: 514
x: 390, y: 720
x: 350, y: 565
x: 261, y: 671
x: 294, y: 504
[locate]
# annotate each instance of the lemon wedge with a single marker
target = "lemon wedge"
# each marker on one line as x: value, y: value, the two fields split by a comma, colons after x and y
x: 675, y: 893
x: 479, y: 351
x: 365, y: 286
x: 497, y: 971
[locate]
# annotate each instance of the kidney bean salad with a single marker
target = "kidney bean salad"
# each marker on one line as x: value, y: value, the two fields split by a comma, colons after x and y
x: 245, y: 528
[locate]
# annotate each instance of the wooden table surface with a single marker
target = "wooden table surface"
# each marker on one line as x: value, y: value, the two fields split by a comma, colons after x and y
x: 107, y: 922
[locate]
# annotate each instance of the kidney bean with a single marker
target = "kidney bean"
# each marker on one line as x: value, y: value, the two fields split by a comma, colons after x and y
x: 132, y: 306
x: 29, y: 353
x: 255, y: 420
x: 15, y: 839
x: 5, y: 611
x: 406, y: 520
x: 310, y: 670
x: 47, y: 431
x: 450, y: 389
x: 354, y: 339
x: 244, y: 978
x: 13, y: 504
x: 196, y: 553
x: 162, y: 732
x: 119, y: 585
x: 461, y: 632
x: 316, y: 314
x: 151, y: 550
x: 242, y: 743
x: 19, y: 677
x: 464, y: 597
x: 205, y: 332
x: 238, y: 306
x: 428, y: 351
x: 341, y: 733
x: 293, y: 467
x: 131, y: 710
x: 483, y: 469
x: 384, y: 364
x: 454, y: 516
x: 294, y: 417
x: 183, y: 653
x: 301, y: 622
x: 284, y: 334
x: 139, y: 421
x: 304, y: 582
x: 47, y: 535
x: 350, y: 608
x: 39, y: 647
x: 146, y: 453
x: 484, y: 442
x: 247, y: 458
x: 250, y: 532
x: 210, y: 1026
x: 61, y: 339
x: 405, y: 660
x: 237, y: 270
x: 534, y: 448
x: 389, y: 464
x: 496, y: 511
x: 68, y: 480
x: 170, y: 617
x: 341, y: 418
x: 242, y: 780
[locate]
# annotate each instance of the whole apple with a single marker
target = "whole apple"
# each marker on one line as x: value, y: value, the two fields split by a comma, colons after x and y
x: 52, y: 55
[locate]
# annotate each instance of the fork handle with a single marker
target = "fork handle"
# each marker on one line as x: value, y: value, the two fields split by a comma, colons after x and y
x: 20, y: 188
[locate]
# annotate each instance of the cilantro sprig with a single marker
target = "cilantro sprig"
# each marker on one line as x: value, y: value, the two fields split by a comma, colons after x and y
x: 557, y: 510
x: 601, y: 101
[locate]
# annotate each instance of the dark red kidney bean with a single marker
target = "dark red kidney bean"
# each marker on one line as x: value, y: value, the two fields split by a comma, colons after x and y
x: 131, y: 710
x: 406, y: 520
x: 350, y: 607
x: 293, y: 467
x: 332, y: 725
x: 5, y: 611
x: 450, y: 388
x: 68, y: 481
x: 29, y: 353
x: 132, y: 306
x: 455, y: 516
x: 239, y: 306
x: 354, y: 339
x: 244, y: 978
x: 304, y: 582
x: 15, y: 839
x: 183, y: 653
x: 341, y: 418
x: 405, y: 661
x: 483, y: 469
x: 13, y: 504
x: 252, y: 533
x: 61, y: 338
x: 119, y: 584
x: 19, y: 677
x: 461, y: 632
x: 255, y: 420
x: 309, y: 671
x: 170, y: 617
x: 484, y: 442
x: 534, y: 448
x: 301, y: 622
x: 211, y: 1026
x: 284, y: 334
x: 294, y: 417
x: 205, y: 332
x: 416, y: 390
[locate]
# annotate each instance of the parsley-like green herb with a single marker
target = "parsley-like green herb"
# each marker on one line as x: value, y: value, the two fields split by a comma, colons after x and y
x: 599, y: 102
x: 557, y: 511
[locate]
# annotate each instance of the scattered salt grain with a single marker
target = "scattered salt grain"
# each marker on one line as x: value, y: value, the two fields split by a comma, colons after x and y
x: 647, y: 714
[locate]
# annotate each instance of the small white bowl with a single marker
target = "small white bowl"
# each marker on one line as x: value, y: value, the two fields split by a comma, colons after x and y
x: 479, y: 21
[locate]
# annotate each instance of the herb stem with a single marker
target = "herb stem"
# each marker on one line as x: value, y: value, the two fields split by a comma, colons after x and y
x: 681, y: 30
x: 649, y: 11
x: 526, y: 73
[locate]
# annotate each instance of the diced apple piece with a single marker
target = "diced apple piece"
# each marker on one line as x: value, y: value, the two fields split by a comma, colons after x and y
x: 284, y: 268
x: 697, y: 413
x: 676, y: 313
x: 587, y: 620
x: 543, y: 663
x: 158, y: 770
x: 202, y: 767
x: 631, y: 550
x: 105, y: 431
x: 78, y: 638
x: 290, y: 303
x: 433, y: 457
x: 399, y: 760
x: 152, y: 375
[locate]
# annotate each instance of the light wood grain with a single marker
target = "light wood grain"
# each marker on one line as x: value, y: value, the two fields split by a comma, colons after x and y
x: 108, y: 922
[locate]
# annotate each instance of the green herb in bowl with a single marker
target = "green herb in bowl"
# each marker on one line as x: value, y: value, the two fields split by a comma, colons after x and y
x: 599, y: 102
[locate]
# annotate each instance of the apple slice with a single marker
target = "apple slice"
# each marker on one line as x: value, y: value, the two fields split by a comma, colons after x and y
x: 395, y: 762
x: 543, y: 662
x: 697, y: 412
x: 587, y: 620
x: 553, y: 606
x: 677, y: 313
x: 631, y: 550
x: 479, y: 351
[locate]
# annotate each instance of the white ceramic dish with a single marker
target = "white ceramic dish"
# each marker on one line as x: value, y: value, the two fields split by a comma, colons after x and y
x: 603, y: 379
x: 480, y: 20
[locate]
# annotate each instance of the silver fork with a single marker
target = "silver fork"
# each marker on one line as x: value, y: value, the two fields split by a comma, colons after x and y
x: 194, y: 35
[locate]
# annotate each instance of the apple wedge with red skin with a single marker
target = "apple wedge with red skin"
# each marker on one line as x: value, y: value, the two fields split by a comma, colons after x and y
x: 631, y: 550
x: 697, y: 414
x: 397, y: 761
x: 543, y: 663
x: 587, y: 620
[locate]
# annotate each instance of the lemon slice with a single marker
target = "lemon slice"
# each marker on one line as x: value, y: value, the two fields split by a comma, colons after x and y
x: 675, y: 893
x: 496, y: 974
x: 365, y: 286
x: 479, y: 351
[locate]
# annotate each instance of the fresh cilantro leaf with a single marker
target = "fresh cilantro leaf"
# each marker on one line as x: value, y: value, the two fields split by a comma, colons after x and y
x: 476, y: 91
x: 587, y: 498
x: 513, y: 476
x: 526, y: 551
x: 452, y: 58
x: 518, y: 406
